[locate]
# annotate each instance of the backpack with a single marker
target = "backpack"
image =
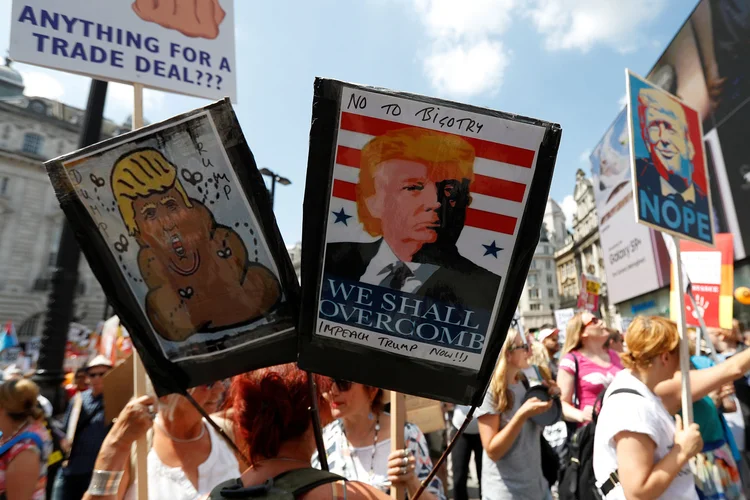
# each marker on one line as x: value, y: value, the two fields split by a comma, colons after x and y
x: 578, y: 481
x: 289, y: 485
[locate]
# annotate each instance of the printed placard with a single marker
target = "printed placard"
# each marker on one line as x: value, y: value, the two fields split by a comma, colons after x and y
x: 189, y: 245
x: 668, y: 162
x: 425, y: 201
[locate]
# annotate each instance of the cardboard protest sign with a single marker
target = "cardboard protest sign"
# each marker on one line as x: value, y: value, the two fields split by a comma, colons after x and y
x: 176, y: 223
x: 186, y: 48
x: 668, y: 162
x: 420, y: 221
x: 588, y: 298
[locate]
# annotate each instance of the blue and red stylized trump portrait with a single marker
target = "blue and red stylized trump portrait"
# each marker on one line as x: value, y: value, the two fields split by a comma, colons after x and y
x: 669, y: 170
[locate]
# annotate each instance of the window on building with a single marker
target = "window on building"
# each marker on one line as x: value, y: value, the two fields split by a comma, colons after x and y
x: 550, y: 293
x: 54, y: 246
x: 533, y: 293
x: 532, y: 279
x: 4, y: 186
x: 32, y: 143
x: 533, y: 264
x: 535, y: 307
x: 6, y: 132
x: 549, y: 279
x: 548, y: 264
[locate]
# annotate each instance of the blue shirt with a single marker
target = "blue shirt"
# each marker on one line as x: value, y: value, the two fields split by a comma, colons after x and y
x: 89, y: 436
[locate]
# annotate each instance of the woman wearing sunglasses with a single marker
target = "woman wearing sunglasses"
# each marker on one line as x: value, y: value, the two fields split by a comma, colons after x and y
x: 512, y: 461
x: 359, y: 443
x: 587, y: 366
x: 186, y: 459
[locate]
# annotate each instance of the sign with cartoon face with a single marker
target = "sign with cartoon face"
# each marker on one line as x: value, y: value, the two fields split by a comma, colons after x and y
x: 176, y: 223
x: 421, y: 217
x: 668, y: 163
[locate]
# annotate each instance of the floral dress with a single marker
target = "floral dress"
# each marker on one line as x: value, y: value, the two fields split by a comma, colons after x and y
x: 29, y: 444
x: 368, y: 464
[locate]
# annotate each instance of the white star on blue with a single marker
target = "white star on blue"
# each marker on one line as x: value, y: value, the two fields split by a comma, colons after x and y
x: 341, y: 216
x: 491, y: 249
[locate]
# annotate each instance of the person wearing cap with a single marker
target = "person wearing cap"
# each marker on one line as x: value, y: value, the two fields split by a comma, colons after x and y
x: 86, y: 430
x: 549, y: 337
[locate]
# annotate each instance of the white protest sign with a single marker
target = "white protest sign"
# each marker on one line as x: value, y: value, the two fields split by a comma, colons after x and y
x: 188, y: 50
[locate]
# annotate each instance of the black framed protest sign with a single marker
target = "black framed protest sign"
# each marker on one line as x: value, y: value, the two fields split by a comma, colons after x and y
x: 421, y: 218
x: 177, y: 225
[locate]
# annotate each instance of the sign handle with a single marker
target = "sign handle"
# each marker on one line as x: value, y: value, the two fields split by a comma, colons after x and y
x: 141, y: 446
x: 315, y: 418
x: 398, y: 421
x: 687, y: 398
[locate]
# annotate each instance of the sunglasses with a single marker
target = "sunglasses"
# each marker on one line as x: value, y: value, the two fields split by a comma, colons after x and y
x: 524, y: 347
x: 593, y: 321
x: 342, y: 385
x: 96, y: 374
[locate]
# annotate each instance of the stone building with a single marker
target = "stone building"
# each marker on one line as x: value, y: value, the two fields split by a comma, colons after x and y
x: 32, y: 130
x: 582, y: 250
x: 540, y: 297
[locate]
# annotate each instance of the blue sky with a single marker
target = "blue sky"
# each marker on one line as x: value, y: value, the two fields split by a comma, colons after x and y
x: 557, y: 60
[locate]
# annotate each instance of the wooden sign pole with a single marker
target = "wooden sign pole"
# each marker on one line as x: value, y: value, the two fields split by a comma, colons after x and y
x: 398, y: 421
x: 139, y: 372
x: 687, y: 399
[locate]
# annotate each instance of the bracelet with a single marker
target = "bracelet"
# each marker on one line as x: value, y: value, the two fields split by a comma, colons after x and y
x: 105, y: 482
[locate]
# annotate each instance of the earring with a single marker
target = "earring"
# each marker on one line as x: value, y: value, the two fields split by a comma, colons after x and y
x: 370, y: 416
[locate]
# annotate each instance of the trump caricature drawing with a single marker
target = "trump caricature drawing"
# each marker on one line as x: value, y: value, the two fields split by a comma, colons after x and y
x: 197, y: 271
x: 413, y: 191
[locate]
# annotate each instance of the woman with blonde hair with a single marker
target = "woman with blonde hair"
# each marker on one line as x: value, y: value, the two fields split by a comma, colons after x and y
x: 586, y: 368
x: 25, y: 443
x: 512, y: 465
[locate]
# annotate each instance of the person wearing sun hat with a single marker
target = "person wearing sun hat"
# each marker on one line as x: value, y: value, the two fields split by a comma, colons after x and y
x: 549, y: 337
x: 86, y: 430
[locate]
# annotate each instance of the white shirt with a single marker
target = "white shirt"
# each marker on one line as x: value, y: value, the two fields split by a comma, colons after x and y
x: 459, y: 415
x: 643, y: 414
x: 381, y: 265
x: 171, y: 482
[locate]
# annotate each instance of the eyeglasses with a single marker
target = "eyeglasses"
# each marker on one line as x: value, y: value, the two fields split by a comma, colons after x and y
x: 342, y: 385
x: 96, y: 374
x: 523, y: 347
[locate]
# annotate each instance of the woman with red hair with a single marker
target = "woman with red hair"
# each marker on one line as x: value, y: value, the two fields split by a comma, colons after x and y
x: 273, y: 425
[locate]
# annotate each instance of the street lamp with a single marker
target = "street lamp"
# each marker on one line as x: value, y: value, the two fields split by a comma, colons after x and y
x: 274, y: 179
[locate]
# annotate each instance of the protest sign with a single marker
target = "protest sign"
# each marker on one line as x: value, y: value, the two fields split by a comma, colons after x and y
x: 176, y: 223
x: 562, y: 316
x: 188, y: 50
x: 668, y: 163
x: 420, y: 221
x: 634, y: 257
x: 588, y: 298
x: 710, y: 273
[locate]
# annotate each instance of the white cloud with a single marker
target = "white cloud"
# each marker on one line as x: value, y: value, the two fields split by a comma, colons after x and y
x: 40, y: 84
x: 465, y: 56
x: 568, y: 206
x: 585, y: 155
x: 581, y: 24
x: 466, y: 70
x: 623, y: 101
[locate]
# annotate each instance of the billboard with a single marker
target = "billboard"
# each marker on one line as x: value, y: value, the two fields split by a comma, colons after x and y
x: 707, y: 65
x: 635, y: 260
x: 189, y: 50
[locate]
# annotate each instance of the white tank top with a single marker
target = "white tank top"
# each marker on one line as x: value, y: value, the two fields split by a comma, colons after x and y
x: 172, y: 483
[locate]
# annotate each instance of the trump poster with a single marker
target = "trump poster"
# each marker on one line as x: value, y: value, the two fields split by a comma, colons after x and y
x: 176, y: 223
x: 668, y: 163
x: 421, y: 217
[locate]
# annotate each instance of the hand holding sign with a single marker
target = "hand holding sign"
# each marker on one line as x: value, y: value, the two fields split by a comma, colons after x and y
x: 193, y: 18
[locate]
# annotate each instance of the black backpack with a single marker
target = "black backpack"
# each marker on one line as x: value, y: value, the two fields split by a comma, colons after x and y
x: 578, y: 481
x: 289, y: 485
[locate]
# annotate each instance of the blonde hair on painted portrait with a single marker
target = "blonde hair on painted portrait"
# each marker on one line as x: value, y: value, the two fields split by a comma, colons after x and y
x: 446, y: 156
x: 141, y: 173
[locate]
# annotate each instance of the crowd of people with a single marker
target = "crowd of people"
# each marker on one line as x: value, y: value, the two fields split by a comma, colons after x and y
x: 558, y: 420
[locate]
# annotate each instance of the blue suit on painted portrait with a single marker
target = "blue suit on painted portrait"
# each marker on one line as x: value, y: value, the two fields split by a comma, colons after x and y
x: 667, y: 195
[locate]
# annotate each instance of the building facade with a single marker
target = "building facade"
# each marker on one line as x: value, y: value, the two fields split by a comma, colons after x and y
x: 540, y: 297
x: 33, y: 130
x: 582, y: 251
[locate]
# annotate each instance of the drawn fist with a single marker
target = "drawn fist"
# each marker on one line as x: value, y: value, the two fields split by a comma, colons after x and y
x: 193, y: 18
